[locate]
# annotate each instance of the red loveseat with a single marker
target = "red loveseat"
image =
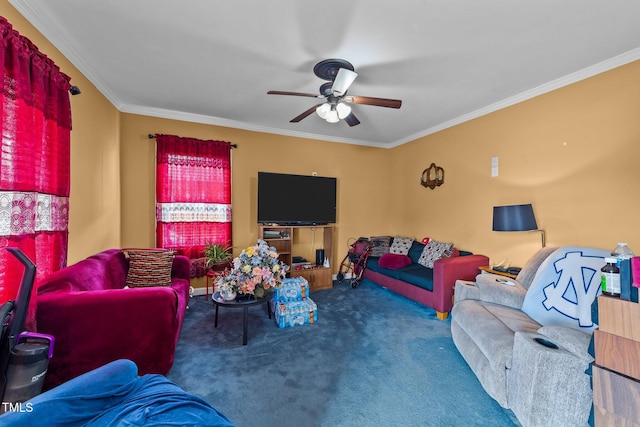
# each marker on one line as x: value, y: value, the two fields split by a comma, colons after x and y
x: 96, y: 320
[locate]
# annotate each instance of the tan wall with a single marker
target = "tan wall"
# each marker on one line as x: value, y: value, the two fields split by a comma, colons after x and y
x: 94, y: 217
x: 356, y: 168
x: 572, y: 153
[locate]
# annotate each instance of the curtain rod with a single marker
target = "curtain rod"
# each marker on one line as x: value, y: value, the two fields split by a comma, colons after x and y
x: 152, y: 136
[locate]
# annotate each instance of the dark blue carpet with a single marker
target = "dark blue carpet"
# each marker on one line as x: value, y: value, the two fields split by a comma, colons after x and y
x: 374, y: 358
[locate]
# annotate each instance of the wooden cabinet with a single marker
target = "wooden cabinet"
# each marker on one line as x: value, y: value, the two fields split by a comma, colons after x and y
x: 318, y: 278
x: 616, y: 373
x: 281, y: 237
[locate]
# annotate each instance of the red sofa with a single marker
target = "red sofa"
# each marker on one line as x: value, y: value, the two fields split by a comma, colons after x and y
x: 432, y: 287
x: 96, y: 320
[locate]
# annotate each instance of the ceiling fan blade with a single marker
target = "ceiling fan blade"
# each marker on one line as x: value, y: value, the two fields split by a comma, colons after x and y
x: 343, y: 81
x: 352, y: 120
x: 280, y: 92
x: 305, y: 114
x: 379, y: 102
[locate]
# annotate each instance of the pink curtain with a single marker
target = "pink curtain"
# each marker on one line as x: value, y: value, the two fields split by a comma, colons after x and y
x: 193, y: 194
x: 34, y: 162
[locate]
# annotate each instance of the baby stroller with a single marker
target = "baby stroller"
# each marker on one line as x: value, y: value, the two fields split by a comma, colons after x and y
x: 355, y: 262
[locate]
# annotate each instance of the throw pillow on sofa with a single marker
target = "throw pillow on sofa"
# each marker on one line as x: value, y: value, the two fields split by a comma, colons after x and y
x: 433, y: 251
x: 379, y: 245
x: 149, y: 267
x: 401, y: 245
x: 394, y: 261
x: 564, y: 287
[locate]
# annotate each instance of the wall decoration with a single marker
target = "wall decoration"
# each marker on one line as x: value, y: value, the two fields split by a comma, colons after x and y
x: 432, y: 177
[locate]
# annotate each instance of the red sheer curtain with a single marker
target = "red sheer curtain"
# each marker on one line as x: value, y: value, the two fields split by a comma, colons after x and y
x: 34, y: 162
x: 193, y: 194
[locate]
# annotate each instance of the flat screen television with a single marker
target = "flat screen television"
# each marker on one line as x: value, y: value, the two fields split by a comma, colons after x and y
x: 287, y: 199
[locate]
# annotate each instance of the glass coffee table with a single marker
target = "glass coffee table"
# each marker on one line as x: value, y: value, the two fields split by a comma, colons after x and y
x: 218, y: 301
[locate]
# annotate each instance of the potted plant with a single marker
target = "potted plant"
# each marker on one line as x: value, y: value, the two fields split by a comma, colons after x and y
x: 218, y: 256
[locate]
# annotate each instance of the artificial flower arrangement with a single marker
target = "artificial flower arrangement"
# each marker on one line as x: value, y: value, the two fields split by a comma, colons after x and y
x: 254, y: 272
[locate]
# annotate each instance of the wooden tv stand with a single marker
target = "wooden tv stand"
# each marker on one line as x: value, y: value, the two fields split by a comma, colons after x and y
x: 281, y: 237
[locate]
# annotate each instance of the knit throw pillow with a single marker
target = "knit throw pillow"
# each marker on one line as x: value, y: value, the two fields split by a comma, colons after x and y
x: 434, y: 251
x: 149, y: 267
x: 401, y: 245
x: 379, y: 245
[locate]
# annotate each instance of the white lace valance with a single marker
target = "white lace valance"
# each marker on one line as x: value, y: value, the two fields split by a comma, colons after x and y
x: 193, y: 212
x: 23, y: 213
x: 201, y: 161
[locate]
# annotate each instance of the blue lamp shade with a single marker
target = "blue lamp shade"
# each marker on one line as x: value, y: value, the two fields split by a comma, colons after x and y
x: 514, y: 218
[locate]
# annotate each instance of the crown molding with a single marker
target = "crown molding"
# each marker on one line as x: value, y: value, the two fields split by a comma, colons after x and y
x: 585, y: 73
x: 217, y: 121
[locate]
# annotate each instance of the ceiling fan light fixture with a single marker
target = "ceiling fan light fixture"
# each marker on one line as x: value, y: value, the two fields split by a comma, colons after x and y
x: 323, y: 110
x: 332, y: 116
x: 339, y: 75
x: 343, y: 110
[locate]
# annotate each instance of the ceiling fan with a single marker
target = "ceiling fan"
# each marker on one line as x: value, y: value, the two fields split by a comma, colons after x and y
x: 335, y: 105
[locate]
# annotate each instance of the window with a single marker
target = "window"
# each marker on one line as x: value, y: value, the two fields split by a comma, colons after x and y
x: 193, y: 195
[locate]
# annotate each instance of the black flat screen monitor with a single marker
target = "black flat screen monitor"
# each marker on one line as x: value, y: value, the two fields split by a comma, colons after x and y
x: 287, y: 199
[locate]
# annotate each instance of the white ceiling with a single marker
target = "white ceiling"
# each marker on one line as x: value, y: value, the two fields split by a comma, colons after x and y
x: 213, y: 61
